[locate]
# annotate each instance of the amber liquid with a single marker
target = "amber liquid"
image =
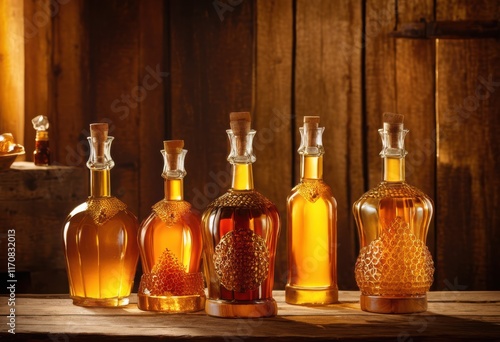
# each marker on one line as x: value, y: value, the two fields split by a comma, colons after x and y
x: 101, y: 259
x: 240, y: 213
x: 41, y: 154
x: 312, y: 242
x: 393, y: 220
x: 182, y: 238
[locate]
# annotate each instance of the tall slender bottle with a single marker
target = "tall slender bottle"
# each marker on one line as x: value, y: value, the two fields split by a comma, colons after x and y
x: 240, y: 232
x: 312, y: 226
x: 100, y: 235
x: 171, y: 245
x: 394, y: 269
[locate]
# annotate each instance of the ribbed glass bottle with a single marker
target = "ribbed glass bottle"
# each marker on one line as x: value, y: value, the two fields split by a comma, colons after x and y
x: 312, y: 226
x: 394, y: 269
x: 240, y: 232
x: 100, y: 235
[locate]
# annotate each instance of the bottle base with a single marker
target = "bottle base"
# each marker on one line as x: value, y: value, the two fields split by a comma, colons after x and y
x: 395, y: 305
x: 229, y: 309
x: 311, y: 296
x: 171, y: 304
x: 100, y: 302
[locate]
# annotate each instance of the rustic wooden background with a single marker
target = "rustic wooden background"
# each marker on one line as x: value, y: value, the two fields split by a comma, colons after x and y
x: 174, y: 69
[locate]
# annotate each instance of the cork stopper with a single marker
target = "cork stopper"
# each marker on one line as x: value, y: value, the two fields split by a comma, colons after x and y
x: 311, y: 125
x: 240, y: 125
x: 173, y: 148
x: 393, y: 134
x: 99, y: 134
x: 311, y: 122
x: 393, y: 122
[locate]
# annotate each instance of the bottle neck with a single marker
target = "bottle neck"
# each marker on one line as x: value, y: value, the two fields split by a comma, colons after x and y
x: 174, y: 189
x: 100, y: 184
x: 393, y: 169
x: 311, y: 167
x: 242, y: 177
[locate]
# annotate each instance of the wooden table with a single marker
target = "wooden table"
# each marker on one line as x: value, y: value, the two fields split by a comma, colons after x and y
x: 451, y: 316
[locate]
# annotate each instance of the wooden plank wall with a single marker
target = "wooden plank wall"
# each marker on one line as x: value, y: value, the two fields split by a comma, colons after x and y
x: 468, y: 121
x: 282, y: 59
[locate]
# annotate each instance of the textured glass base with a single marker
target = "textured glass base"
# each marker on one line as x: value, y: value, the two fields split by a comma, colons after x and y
x: 100, y: 302
x: 261, y: 308
x: 171, y: 304
x: 396, y: 305
x: 311, y: 296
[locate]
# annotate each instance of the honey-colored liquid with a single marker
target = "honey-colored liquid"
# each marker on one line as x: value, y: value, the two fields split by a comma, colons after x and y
x: 240, y: 236
x: 312, y: 244
x: 394, y: 262
x: 101, y: 258
x: 182, y: 237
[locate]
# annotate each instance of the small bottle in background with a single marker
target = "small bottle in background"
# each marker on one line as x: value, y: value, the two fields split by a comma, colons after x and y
x: 41, y: 154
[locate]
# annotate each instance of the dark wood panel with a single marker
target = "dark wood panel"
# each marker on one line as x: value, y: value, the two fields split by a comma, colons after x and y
x: 38, y: 67
x: 273, y: 112
x: 68, y: 84
x: 415, y: 81
x: 34, y: 202
x: 211, y: 64
x: 467, y: 10
x: 115, y: 92
x: 380, y: 79
x: 328, y: 83
x: 467, y: 171
x: 152, y: 130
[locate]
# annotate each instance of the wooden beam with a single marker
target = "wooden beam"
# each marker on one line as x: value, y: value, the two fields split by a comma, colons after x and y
x: 12, y: 69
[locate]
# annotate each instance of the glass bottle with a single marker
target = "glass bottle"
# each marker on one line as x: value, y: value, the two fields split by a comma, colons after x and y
x: 170, y: 244
x: 312, y: 226
x: 100, y: 235
x: 41, y: 154
x: 240, y: 231
x: 394, y: 269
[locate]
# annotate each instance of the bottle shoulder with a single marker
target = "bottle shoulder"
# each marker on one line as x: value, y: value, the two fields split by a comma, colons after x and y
x: 102, y: 210
x: 312, y: 190
x: 174, y: 212
x: 250, y: 199
x: 394, y: 190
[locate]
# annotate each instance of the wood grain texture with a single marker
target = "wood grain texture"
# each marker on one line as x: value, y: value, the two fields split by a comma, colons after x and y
x: 467, y: 316
x: 415, y: 97
x: 34, y: 202
x: 38, y: 66
x: 380, y: 81
x: 152, y: 130
x: 467, y: 170
x: 468, y: 102
x: 467, y: 10
x: 115, y: 93
x: 273, y: 112
x: 211, y: 63
x: 68, y: 84
x: 12, y: 69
